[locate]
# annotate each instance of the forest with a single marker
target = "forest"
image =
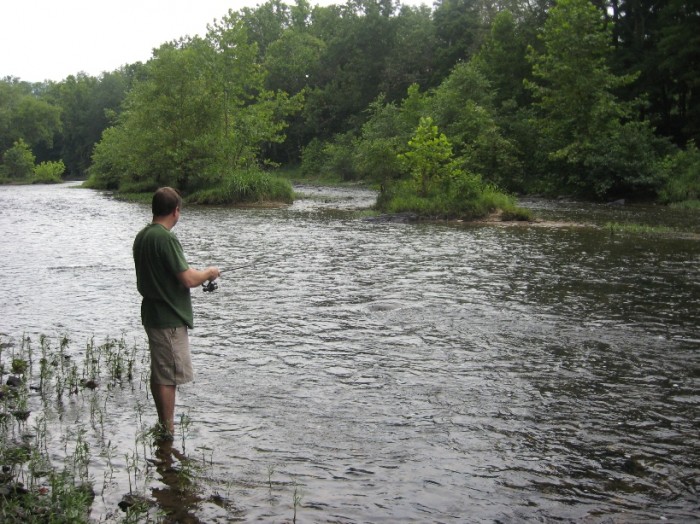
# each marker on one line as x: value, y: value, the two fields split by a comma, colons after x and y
x: 589, y: 99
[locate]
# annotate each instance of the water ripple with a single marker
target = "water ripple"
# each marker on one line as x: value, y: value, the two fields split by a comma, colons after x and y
x: 401, y: 372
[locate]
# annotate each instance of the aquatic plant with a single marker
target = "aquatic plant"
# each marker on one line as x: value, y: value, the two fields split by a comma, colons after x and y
x: 617, y: 227
x: 270, y: 472
x: 19, y: 366
x: 32, y: 486
x: 296, y: 501
x: 53, y: 458
x: 185, y: 422
x: 132, y: 466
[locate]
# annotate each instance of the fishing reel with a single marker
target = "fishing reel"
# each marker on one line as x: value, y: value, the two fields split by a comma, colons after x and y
x: 210, y: 286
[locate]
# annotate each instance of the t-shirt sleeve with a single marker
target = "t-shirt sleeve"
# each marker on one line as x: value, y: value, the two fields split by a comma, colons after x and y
x: 174, y: 256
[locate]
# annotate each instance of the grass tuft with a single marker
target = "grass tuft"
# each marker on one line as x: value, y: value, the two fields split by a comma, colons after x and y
x: 246, y: 187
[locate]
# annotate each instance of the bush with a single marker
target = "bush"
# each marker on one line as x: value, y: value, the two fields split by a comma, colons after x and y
x: 49, y: 172
x: 18, y: 161
x: 330, y: 160
x: 516, y: 214
x: 620, y: 163
x: 464, y: 197
x: 132, y: 186
x: 312, y: 159
x: 681, y: 175
x: 338, y: 158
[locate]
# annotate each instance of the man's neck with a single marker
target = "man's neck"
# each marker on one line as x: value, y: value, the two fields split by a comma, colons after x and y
x: 166, y: 221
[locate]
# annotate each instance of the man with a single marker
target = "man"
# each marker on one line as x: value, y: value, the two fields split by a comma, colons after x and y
x: 164, y: 279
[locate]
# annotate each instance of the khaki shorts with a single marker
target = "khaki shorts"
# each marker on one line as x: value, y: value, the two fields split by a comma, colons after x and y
x: 171, y: 364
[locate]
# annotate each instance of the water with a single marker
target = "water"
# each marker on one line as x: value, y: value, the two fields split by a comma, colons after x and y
x: 386, y: 372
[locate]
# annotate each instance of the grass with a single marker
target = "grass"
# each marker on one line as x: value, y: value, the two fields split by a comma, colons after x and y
x: 58, y: 460
x: 245, y: 187
x: 686, y: 204
x: 142, y: 198
x: 621, y: 228
x: 33, y: 486
x: 466, y: 199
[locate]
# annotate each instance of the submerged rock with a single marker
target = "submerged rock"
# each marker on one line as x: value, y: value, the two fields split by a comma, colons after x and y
x: 130, y: 500
x: 14, y: 381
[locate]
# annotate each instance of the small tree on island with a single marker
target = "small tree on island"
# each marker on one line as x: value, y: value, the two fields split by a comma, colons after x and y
x: 438, y: 187
x: 429, y: 159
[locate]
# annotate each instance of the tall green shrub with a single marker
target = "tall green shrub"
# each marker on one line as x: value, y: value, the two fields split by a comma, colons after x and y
x: 49, y: 172
x: 18, y: 161
x: 681, y: 175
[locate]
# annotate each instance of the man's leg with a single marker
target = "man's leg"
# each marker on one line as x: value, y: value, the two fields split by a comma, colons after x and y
x: 164, y: 397
x: 170, y: 364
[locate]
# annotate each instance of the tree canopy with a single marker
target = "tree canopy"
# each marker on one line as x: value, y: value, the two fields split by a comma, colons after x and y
x: 590, y: 98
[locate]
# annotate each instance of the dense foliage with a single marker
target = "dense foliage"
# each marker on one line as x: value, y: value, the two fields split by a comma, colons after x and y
x: 593, y: 99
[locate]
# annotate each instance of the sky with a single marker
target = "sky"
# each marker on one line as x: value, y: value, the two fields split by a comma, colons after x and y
x: 52, y: 39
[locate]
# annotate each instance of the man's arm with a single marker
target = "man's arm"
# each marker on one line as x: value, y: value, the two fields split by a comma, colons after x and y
x: 192, y: 277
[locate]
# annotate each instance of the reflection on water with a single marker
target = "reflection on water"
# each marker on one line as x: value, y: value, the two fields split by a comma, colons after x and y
x: 365, y: 371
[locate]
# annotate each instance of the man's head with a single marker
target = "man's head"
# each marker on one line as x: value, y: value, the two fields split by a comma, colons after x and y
x: 165, y: 201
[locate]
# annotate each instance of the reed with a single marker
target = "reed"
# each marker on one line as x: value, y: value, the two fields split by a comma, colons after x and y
x: 57, y: 442
x: 297, y: 496
x: 33, y: 486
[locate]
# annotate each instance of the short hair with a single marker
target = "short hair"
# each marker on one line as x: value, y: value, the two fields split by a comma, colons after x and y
x: 165, y: 201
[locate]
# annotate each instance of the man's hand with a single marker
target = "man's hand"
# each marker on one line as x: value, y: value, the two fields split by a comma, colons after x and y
x: 196, y: 277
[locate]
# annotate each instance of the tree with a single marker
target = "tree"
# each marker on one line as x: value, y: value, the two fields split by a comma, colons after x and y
x: 460, y: 28
x: 463, y: 108
x: 429, y: 158
x: 200, y: 113
x: 660, y: 40
x: 679, y: 50
x: 88, y: 106
x: 253, y: 116
x: 502, y: 60
x: 579, y: 114
x: 382, y: 138
x: 411, y: 58
x: 293, y: 63
x: 359, y: 36
x: 438, y: 187
x: 165, y: 134
x: 265, y: 23
x: 26, y: 116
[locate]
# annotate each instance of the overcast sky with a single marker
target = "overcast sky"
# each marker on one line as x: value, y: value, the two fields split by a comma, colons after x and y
x: 51, y: 39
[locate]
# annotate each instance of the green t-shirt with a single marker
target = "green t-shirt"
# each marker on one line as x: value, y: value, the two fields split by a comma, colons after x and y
x: 158, y: 258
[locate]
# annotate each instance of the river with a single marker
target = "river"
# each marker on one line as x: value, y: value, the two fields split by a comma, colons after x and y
x: 372, y: 371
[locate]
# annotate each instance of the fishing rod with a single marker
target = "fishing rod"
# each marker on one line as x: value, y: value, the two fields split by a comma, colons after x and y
x: 210, y: 285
